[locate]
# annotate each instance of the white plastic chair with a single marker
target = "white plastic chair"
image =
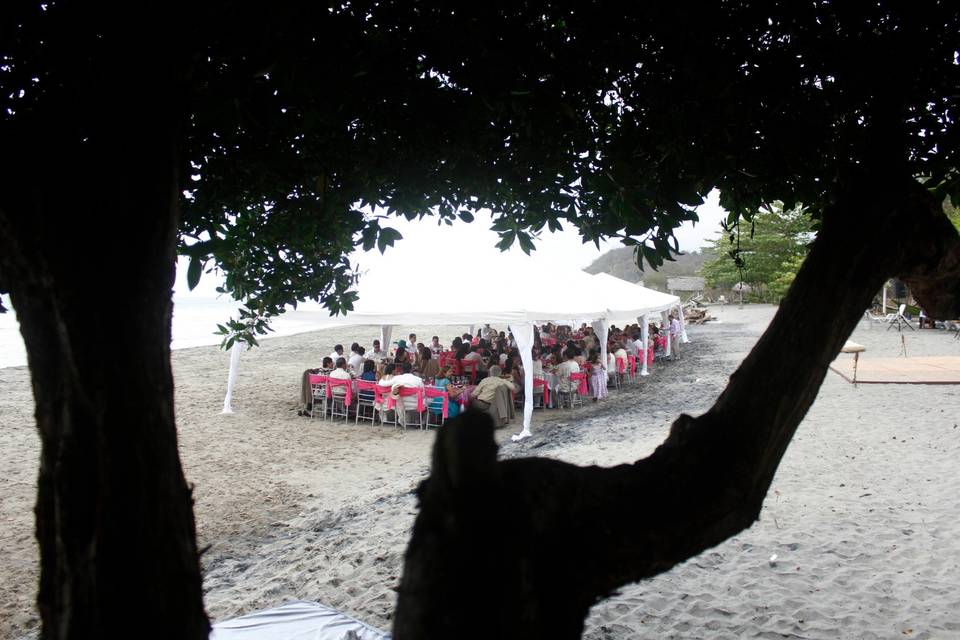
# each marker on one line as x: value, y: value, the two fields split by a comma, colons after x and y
x: 898, y: 319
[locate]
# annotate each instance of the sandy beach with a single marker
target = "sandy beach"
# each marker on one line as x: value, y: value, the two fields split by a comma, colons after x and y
x: 863, y: 515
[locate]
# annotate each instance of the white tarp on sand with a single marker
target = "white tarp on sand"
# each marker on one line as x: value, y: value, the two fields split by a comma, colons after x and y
x: 296, y: 621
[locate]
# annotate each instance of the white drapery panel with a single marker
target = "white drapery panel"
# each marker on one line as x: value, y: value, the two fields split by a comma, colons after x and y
x: 602, y: 329
x: 665, y: 319
x: 232, y: 376
x: 386, y: 335
x: 683, y: 326
x: 523, y: 334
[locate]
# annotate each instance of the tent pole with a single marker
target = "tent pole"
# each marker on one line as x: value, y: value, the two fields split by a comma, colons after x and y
x: 666, y: 325
x: 386, y: 334
x: 683, y: 325
x: 602, y: 329
x: 523, y: 334
x: 232, y: 376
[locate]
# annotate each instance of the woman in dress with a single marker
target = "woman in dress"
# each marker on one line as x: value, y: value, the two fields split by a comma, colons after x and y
x: 598, y: 376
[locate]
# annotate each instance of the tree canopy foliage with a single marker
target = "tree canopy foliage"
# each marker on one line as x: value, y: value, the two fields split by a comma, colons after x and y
x: 300, y: 121
x: 294, y: 132
x: 765, y: 254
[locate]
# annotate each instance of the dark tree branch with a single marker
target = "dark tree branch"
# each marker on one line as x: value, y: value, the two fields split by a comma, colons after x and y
x: 491, y: 553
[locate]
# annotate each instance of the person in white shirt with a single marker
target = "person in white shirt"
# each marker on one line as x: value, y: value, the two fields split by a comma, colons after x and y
x: 474, y: 356
x: 630, y: 346
x: 567, y: 367
x: 337, y: 352
x: 537, y: 365
x: 409, y: 380
x: 674, y: 337
x: 355, y: 361
x: 377, y: 354
x: 340, y: 373
x: 620, y: 353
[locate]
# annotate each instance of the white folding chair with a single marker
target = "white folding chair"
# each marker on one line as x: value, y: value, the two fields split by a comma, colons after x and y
x: 899, y: 320
x: 366, y: 400
x: 318, y: 389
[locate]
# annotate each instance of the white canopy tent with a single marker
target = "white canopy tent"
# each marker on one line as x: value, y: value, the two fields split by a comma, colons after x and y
x: 497, y: 288
x: 500, y: 288
x: 634, y: 303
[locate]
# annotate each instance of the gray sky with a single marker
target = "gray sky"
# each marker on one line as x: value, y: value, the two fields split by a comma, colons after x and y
x: 554, y: 250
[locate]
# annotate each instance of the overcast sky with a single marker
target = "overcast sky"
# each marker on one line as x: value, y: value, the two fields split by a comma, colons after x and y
x: 554, y: 250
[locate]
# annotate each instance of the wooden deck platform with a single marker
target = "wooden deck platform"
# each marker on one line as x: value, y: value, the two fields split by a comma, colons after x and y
x: 912, y: 370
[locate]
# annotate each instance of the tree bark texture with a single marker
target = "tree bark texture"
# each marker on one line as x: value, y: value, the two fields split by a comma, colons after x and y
x: 522, y: 548
x: 88, y: 228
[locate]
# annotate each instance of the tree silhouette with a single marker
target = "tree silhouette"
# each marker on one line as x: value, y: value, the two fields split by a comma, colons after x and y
x: 255, y: 137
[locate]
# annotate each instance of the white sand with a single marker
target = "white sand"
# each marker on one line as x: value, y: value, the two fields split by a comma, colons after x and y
x: 864, y: 514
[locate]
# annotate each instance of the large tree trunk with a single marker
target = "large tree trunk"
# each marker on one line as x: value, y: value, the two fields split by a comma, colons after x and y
x: 88, y: 227
x: 522, y: 548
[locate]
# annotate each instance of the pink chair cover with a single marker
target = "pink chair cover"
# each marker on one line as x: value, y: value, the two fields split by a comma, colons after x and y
x: 581, y: 378
x: 471, y: 367
x: 367, y: 385
x: 346, y: 384
x: 432, y: 393
x: 632, y: 365
x: 540, y: 382
x: 316, y: 378
x: 406, y: 392
x: 621, y: 365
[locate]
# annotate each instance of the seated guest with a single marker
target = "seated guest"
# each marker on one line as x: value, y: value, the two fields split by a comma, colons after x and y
x: 337, y: 352
x: 326, y: 367
x: 579, y: 356
x: 493, y: 395
x: 622, y: 354
x: 567, y: 367
x: 537, y: 364
x: 435, y: 347
x: 407, y: 380
x: 428, y: 365
x: 453, y: 394
x: 355, y: 361
x: 510, y: 371
x: 637, y: 344
x: 377, y: 354
x: 476, y: 357
x: 386, y: 380
x: 462, y: 351
x: 401, y: 355
x: 306, y: 390
x: 340, y: 373
x: 369, y: 374
x: 399, y: 344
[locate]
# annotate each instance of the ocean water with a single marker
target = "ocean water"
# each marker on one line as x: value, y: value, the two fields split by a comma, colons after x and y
x: 195, y: 320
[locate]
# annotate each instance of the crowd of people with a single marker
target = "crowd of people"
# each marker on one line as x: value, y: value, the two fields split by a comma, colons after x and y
x: 486, y: 369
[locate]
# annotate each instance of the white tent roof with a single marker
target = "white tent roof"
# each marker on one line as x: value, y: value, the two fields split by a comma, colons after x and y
x: 500, y: 288
x: 627, y: 301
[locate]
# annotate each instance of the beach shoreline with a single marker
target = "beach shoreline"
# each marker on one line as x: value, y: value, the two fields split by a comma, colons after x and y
x: 863, y: 514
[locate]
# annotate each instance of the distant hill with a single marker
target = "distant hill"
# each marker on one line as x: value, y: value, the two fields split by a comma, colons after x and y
x: 621, y: 262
